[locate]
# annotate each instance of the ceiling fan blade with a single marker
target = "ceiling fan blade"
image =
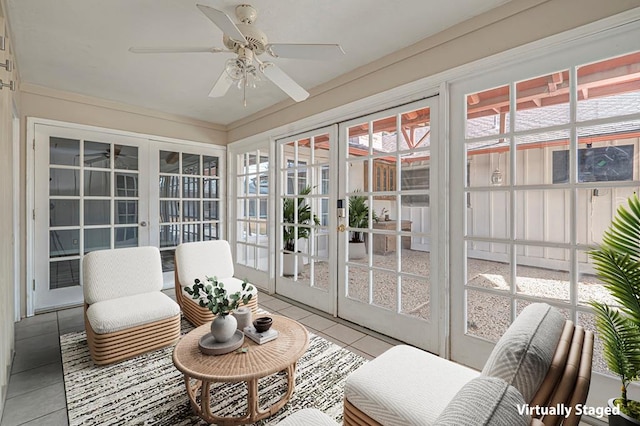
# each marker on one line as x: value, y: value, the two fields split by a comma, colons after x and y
x: 223, y: 22
x: 305, y: 51
x: 284, y: 82
x: 176, y: 50
x: 222, y: 85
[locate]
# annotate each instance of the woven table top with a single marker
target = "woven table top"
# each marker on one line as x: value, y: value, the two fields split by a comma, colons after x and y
x: 258, y: 361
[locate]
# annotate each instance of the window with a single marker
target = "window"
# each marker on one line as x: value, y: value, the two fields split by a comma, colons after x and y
x: 549, y: 160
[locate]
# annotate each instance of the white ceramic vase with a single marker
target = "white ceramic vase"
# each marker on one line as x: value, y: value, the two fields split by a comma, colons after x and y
x: 223, y: 328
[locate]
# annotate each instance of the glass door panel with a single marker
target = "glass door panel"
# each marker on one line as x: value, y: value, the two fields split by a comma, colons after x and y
x: 305, y: 261
x: 386, y: 272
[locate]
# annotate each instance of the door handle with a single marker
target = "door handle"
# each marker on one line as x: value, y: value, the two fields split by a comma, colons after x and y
x: 341, y: 228
x: 143, y: 223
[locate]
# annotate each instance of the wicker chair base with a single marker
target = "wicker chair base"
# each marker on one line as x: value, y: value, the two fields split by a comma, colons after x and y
x: 354, y: 417
x: 120, y: 345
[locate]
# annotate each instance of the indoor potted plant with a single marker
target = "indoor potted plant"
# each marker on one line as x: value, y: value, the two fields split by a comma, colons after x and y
x: 617, y: 262
x: 214, y: 297
x: 358, y: 218
x: 289, y: 235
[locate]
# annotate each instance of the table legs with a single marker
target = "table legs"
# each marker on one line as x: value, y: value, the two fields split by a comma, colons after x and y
x: 254, y: 412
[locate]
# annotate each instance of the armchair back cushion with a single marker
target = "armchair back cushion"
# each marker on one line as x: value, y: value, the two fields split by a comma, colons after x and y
x: 523, y: 354
x: 204, y: 259
x: 485, y: 401
x: 110, y: 274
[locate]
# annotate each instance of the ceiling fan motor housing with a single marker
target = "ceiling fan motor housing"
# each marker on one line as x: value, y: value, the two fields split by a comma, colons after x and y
x: 256, y: 38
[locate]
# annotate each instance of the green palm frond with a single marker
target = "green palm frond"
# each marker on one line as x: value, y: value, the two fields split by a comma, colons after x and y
x: 304, y: 217
x: 621, y: 342
x: 617, y: 260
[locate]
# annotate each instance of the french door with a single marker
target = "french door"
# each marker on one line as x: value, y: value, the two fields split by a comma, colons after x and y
x: 389, y: 250
x: 357, y: 224
x: 307, y: 222
x: 91, y: 194
x: 97, y: 190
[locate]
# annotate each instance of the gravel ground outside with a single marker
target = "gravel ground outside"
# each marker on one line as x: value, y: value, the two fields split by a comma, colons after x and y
x: 488, y: 314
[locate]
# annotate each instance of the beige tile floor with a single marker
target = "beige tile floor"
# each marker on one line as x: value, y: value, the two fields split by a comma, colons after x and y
x: 36, y: 388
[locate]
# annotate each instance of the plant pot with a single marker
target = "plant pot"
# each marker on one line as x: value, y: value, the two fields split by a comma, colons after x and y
x: 223, y: 327
x: 288, y: 264
x: 357, y: 250
x: 620, y: 419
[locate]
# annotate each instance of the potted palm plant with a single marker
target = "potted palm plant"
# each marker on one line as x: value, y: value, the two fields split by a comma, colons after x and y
x: 291, y: 233
x: 617, y: 262
x: 358, y: 218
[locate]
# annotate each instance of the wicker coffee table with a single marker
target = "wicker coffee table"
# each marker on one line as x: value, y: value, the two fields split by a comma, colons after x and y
x: 200, y: 370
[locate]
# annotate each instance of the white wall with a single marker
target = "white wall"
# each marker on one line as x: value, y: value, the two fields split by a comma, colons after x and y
x: 7, y: 270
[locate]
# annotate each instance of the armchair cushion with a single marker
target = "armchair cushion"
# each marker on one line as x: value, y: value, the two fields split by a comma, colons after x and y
x: 523, y: 354
x: 204, y: 259
x: 122, y: 313
x: 405, y: 386
x: 111, y: 274
x: 484, y: 401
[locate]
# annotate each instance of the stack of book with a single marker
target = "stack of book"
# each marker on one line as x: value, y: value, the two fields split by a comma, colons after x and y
x: 260, y: 338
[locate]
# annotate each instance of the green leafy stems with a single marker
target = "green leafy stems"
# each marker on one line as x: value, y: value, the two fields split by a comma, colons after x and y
x: 617, y: 263
x: 214, y: 297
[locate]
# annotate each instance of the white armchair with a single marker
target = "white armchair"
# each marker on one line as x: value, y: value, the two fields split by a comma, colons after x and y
x: 200, y: 260
x: 126, y: 313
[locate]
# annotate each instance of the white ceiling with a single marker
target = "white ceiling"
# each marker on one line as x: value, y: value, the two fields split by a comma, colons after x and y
x: 82, y: 45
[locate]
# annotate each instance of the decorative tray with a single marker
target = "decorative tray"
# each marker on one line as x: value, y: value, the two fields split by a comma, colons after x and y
x: 209, y: 346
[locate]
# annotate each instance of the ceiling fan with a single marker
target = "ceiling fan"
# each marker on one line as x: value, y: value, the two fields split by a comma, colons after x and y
x: 248, y: 42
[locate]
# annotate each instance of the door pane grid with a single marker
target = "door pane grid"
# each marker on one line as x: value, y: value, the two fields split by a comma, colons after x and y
x: 189, y: 201
x: 252, y: 214
x: 390, y: 217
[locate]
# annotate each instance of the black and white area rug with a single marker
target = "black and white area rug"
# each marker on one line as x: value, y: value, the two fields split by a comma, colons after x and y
x: 149, y: 390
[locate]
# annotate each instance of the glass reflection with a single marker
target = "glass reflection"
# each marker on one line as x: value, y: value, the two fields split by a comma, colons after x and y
x: 97, y: 154
x: 64, y: 213
x: 126, y: 185
x: 190, y: 232
x: 64, y: 151
x: 210, y: 165
x: 190, y: 164
x: 97, y: 212
x: 64, y: 273
x: 170, y: 211
x: 63, y: 243
x: 191, y: 211
x: 190, y: 187
x: 126, y: 211
x: 126, y: 237
x: 210, y: 188
x: 169, y: 187
x: 64, y: 182
x: 97, y: 184
x: 169, y: 235
x: 169, y: 162
x: 97, y: 239
x: 210, y: 231
x: 126, y: 157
